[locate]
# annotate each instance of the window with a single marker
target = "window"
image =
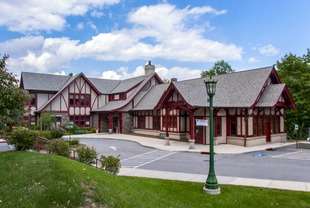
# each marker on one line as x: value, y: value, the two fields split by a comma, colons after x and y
x: 218, y: 126
x: 33, y: 100
x: 76, y: 100
x: 122, y: 96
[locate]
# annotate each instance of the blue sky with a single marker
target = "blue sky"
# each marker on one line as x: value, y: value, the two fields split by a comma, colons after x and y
x: 114, y: 38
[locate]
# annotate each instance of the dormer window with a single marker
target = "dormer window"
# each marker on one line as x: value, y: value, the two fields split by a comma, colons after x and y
x: 119, y: 96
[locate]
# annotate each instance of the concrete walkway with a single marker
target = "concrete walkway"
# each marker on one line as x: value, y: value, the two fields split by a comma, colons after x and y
x: 263, y: 183
x: 181, y: 146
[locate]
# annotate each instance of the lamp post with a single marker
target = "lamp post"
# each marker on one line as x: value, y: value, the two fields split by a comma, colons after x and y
x: 211, y: 186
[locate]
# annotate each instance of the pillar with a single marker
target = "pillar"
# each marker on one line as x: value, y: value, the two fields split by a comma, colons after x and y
x: 120, y: 122
x: 110, y: 122
x: 192, y: 130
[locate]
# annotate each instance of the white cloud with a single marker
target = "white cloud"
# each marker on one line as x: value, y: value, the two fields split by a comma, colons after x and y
x: 252, y: 60
x: 167, y: 25
x: 38, y: 15
x: 20, y: 46
x: 206, y: 9
x: 268, y: 50
x: 181, y: 73
x: 96, y: 13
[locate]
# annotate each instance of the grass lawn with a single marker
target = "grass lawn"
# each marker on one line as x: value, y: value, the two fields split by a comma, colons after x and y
x: 36, y: 180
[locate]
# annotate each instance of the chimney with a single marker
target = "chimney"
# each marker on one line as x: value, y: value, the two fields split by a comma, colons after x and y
x: 174, y: 79
x: 149, y: 68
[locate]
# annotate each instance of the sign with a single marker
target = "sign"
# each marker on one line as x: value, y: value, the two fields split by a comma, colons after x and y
x: 69, y: 125
x: 296, y: 127
x: 201, y: 122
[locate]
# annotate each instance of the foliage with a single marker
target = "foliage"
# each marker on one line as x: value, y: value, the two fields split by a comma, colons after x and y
x: 59, y: 147
x: 22, y: 138
x: 49, y: 181
x: 12, y: 98
x: 294, y: 71
x: 56, y: 133
x: 220, y: 67
x: 73, y: 142
x: 86, y: 154
x: 46, y: 121
x: 78, y: 130
x: 110, y: 163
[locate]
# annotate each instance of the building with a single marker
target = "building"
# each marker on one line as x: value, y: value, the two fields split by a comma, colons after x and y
x: 249, y: 105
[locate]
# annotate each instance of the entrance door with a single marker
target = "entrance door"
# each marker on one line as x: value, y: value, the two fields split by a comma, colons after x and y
x: 199, y: 132
x: 199, y: 135
x: 267, y: 130
x: 115, y: 124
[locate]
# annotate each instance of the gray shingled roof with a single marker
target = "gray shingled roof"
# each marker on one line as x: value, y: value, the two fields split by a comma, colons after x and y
x: 127, y: 84
x: 271, y: 95
x: 150, y: 100
x: 238, y: 89
x: 51, y: 82
x: 114, y: 105
x: 105, y: 86
x: 43, y: 82
x: 71, y: 78
x: 111, y: 106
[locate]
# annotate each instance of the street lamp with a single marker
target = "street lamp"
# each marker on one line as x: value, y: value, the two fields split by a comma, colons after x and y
x: 211, y: 186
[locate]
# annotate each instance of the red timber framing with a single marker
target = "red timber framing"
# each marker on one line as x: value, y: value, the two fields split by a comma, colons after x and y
x: 81, y: 95
x: 177, y: 115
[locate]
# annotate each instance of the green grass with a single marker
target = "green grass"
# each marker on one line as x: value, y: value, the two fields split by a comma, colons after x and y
x: 36, y: 180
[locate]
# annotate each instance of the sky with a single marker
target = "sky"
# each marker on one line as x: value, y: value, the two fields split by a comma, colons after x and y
x: 115, y: 38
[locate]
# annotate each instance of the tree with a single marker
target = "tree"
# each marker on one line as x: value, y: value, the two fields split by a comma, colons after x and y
x: 220, y: 67
x: 46, y: 121
x: 12, y: 98
x: 294, y: 71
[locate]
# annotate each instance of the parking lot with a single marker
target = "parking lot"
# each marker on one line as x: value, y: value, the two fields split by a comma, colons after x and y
x: 286, y: 163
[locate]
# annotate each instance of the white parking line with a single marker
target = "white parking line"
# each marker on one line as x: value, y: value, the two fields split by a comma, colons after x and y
x: 138, y: 155
x: 156, y: 159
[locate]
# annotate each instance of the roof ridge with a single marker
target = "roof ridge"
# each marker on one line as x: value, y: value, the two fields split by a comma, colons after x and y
x: 40, y: 73
x: 235, y: 72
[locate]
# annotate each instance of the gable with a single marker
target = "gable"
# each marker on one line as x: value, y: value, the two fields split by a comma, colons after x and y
x: 77, y: 84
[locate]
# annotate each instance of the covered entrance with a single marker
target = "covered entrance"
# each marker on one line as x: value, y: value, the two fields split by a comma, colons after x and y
x: 178, y: 117
x: 111, y: 122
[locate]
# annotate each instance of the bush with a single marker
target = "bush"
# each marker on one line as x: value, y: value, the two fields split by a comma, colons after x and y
x: 111, y: 164
x: 22, y: 138
x: 59, y: 147
x: 45, y: 134
x: 86, y: 154
x: 56, y: 133
x: 73, y: 142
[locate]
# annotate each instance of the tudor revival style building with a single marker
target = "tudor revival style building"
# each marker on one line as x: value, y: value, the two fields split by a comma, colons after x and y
x: 249, y: 105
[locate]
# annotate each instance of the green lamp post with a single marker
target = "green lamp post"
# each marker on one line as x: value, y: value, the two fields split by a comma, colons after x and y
x: 211, y: 186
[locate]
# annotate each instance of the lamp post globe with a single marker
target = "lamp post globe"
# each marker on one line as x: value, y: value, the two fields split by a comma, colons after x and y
x: 211, y: 186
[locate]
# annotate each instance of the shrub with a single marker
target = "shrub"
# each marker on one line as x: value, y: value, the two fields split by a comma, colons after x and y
x: 22, y: 138
x: 58, y: 147
x: 111, y: 164
x: 46, y: 121
x: 45, y: 134
x: 73, y: 142
x: 56, y: 133
x: 86, y: 154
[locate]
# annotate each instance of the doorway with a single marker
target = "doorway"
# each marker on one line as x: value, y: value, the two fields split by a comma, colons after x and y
x: 267, y: 130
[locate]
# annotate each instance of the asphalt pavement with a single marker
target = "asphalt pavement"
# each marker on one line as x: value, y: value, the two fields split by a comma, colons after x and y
x: 287, y: 163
